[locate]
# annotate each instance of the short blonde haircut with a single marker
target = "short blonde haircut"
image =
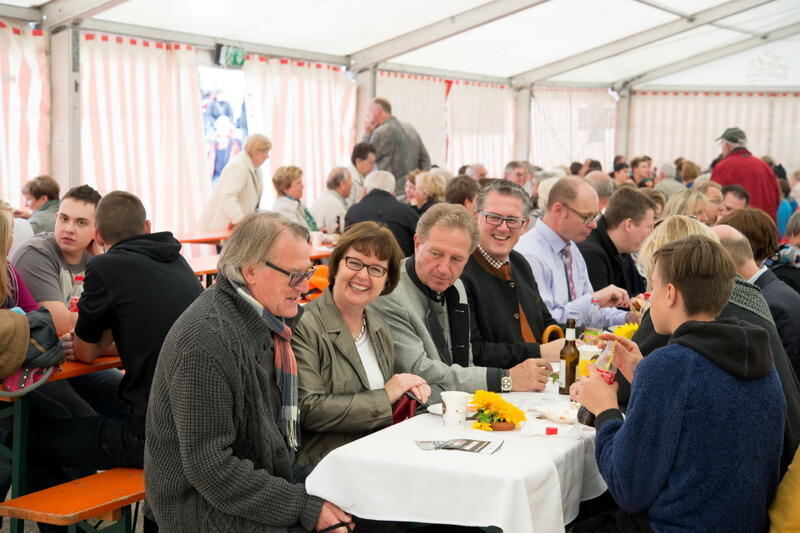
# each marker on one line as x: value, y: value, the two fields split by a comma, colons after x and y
x: 449, y: 216
x: 252, y: 242
x: 670, y: 229
x: 683, y: 203
x: 432, y: 185
x: 283, y: 178
x: 255, y: 143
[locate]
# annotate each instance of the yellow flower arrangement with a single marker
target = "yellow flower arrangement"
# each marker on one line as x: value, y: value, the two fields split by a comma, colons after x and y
x: 491, y: 407
x: 626, y: 330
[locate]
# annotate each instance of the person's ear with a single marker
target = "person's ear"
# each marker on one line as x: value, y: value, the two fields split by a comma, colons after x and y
x: 417, y: 242
x: 147, y: 227
x: 672, y: 295
x: 97, y: 238
x: 249, y: 274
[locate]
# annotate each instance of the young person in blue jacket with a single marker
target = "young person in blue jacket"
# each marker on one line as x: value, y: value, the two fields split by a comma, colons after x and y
x: 699, y: 449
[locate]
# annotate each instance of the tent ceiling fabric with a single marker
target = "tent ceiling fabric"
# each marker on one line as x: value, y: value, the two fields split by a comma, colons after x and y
x: 523, y: 41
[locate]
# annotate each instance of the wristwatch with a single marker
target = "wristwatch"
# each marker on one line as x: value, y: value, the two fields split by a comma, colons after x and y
x: 505, y: 381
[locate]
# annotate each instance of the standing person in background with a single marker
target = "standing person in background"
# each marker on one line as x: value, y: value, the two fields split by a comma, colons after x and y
x: 739, y: 167
x: 41, y: 200
x: 362, y: 163
x: 331, y: 206
x: 238, y: 191
x: 398, y: 146
x: 288, y: 182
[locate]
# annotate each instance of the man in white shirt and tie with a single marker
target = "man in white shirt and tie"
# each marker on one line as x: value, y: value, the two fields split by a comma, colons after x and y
x: 571, y: 214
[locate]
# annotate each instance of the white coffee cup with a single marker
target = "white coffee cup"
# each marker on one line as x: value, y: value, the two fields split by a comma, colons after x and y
x: 454, y: 408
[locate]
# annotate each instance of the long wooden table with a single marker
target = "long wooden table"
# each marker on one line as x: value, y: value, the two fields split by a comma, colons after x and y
x: 205, y: 237
x: 18, y: 411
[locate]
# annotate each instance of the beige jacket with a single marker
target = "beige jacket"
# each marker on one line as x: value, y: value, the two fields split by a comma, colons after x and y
x: 336, y: 403
x: 238, y: 193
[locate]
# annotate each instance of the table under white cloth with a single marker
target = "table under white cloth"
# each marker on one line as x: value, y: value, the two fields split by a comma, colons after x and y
x: 532, y: 484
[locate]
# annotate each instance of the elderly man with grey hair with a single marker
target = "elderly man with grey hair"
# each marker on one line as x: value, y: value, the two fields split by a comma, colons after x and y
x: 380, y: 205
x: 666, y: 183
x: 223, y: 423
x: 739, y: 167
x: 603, y: 185
x: 429, y: 312
x: 477, y: 171
x: 330, y: 208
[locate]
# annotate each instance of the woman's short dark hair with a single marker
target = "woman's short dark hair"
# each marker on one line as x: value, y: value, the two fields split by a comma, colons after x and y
x: 369, y: 238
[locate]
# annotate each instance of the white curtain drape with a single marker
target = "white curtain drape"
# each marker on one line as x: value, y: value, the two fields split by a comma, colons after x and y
x: 420, y: 101
x: 480, y: 126
x: 141, y: 126
x: 308, y: 112
x: 572, y: 125
x: 24, y: 109
x: 669, y: 124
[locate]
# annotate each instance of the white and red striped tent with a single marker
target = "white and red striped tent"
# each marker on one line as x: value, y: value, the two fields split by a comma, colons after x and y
x: 107, y: 92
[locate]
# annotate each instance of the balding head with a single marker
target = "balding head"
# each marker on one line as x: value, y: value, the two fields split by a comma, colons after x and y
x: 572, y: 209
x: 737, y: 245
x: 602, y: 185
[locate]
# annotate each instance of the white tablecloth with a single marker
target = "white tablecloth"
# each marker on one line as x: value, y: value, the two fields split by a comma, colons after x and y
x: 532, y: 484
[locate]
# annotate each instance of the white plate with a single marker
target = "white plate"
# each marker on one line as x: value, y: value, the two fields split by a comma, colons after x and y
x: 435, y: 409
x: 560, y: 414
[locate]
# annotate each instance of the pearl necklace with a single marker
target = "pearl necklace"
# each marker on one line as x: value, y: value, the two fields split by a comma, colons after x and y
x: 357, y: 338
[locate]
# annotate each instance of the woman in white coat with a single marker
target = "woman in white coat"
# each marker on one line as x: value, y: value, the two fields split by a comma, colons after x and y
x: 238, y: 191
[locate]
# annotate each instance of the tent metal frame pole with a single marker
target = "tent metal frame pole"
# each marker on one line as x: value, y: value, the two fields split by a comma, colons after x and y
x: 59, y: 14
x: 65, y: 145
x: 637, y: 40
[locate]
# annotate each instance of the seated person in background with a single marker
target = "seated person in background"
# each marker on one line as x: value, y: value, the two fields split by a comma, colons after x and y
x: 133, y: 294
x: 344, y: 349
x: 330, y: 207
x: 557, y: 264
x: 13, y: 291
x: 688, y: 202
x: 41, y: 202
x: 602, y: 185
x: 223, y: 420
x: 379, y: 205
x: 288, y: 182
x: 429, y: 312
x: 429, y: 190
x: 734, y: 197
x: 658, y: 199
x: 363, y: 162
x: 745, y: 303
x: 620, y: 232
x: 785, y: 262
x: 713, y: 193
x: 750, y: 236
x: 49, y: 262
x: 665, y: 467
x: 508, y: 315
x: 462, y: 190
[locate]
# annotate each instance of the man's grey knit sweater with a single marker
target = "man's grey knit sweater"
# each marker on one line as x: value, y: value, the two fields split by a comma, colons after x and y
x: 215, y: 459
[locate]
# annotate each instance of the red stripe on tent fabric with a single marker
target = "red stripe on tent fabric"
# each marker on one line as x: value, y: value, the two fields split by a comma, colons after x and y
x: 38, y: 33
x: 104, y: 38
x: 146, y: 44
x: 17, y: 31
x: 160, y: 46
x: 3, y: 24
x: 133, y: 42
x: 120, y: 40
x: 89, y: 36
x: 283, y: 61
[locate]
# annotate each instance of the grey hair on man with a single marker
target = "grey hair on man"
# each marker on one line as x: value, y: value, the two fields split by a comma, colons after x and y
x: 474, y: 170
x: 668, y: 170
x: 449, y: 216
x: 380, y: 180
x: 602, y: 184
x: 504, y: 188
x: 734, y: 138
x: 336, y: 177
x: 252, y: 242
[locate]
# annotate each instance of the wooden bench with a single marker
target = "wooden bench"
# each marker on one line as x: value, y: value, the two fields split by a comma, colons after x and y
x: 106, y: 496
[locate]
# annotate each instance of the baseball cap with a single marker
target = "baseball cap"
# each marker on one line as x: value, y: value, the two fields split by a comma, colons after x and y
x: 732, y: 135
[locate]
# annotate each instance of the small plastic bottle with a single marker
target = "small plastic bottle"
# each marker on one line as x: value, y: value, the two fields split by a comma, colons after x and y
x: 75, y: 295
x: 594, y: 323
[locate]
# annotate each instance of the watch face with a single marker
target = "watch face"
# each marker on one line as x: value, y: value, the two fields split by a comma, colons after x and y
x: 505, y: 384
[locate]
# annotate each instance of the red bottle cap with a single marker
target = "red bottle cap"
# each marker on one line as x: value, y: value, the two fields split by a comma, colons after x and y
x: 550, y: 430
x: 647, y: 296
x: 79, y: 277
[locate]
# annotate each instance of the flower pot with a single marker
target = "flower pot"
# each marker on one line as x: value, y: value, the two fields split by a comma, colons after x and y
x: 502, y: 426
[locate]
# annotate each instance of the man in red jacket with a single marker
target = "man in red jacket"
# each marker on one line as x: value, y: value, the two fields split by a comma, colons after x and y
x: 739, y: 167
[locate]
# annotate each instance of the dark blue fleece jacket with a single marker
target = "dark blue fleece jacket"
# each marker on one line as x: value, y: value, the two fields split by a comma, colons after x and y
x: 701, y: 444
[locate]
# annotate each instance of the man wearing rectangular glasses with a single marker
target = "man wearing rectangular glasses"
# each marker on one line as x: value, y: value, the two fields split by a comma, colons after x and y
x: 509, y: 314
x: 560, y: 271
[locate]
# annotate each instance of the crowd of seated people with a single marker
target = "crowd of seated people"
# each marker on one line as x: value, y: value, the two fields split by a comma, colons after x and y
x: 232, y: 395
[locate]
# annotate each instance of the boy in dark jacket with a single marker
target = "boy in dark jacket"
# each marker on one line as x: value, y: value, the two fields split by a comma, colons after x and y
x: 701, y: 444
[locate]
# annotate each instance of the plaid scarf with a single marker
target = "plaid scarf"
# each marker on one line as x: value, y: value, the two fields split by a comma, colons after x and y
x: 285, y: 370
